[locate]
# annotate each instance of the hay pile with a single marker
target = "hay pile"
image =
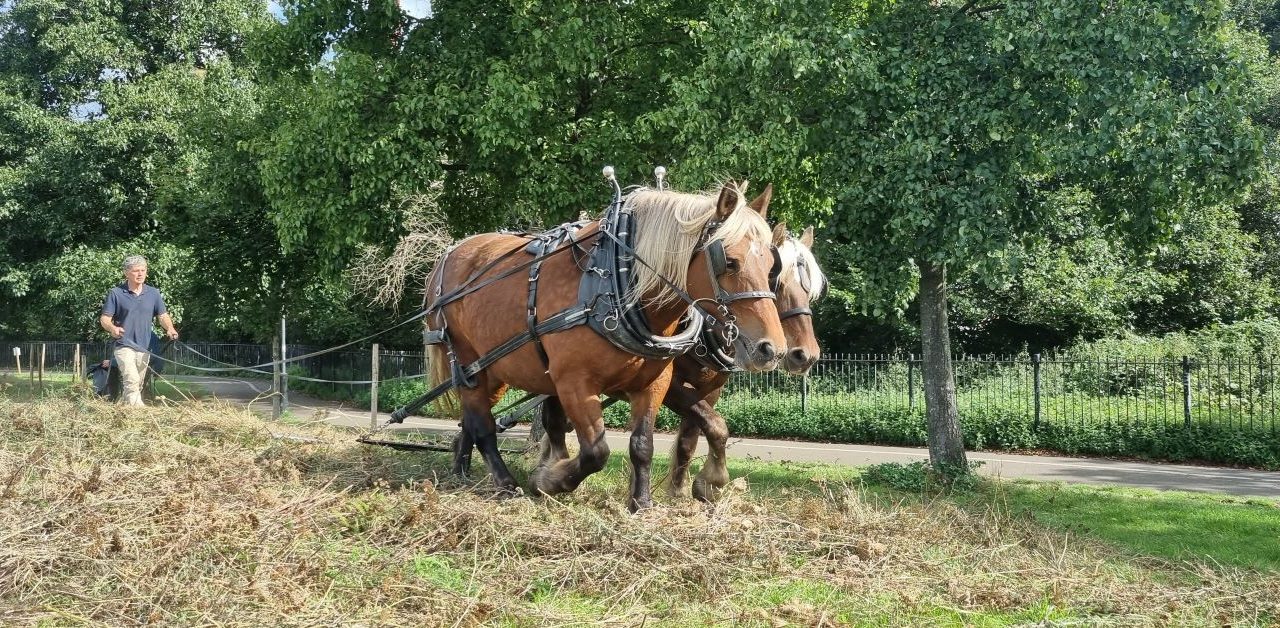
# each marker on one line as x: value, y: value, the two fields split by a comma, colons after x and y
x: 197, y: 514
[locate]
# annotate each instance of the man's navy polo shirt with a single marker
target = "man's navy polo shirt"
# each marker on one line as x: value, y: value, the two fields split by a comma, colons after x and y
x: 134, y: 312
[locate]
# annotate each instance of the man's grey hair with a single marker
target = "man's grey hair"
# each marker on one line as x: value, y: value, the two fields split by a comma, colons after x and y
x: 133, y: 260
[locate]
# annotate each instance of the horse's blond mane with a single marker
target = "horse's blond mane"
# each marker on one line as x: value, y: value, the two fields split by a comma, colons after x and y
x: 668, y: 225
x: 790, y: 252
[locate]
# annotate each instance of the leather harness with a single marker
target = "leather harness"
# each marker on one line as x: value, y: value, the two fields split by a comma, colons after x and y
x: 605, y: 299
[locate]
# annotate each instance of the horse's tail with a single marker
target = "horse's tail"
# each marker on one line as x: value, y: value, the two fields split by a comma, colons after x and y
x: 439, y: 369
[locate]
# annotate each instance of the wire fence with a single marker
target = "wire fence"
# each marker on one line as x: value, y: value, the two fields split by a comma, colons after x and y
x: 1233, y: 393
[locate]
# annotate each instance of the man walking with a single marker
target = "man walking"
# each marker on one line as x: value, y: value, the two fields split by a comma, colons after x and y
x: 126, y: 315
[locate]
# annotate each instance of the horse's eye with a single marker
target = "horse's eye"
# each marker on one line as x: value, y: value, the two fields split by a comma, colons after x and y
x: 731, y: 265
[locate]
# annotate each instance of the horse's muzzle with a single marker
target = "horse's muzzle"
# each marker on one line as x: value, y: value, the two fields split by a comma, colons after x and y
x: 800, y: 361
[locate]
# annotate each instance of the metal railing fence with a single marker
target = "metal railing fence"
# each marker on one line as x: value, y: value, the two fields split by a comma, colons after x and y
x: 1236, y: 393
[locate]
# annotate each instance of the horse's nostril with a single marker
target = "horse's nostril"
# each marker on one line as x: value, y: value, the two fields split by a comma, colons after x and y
x: 766, y: 350
x: 798, y: 356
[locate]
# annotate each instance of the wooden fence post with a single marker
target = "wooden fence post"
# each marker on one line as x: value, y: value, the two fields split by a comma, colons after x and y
x: 42, y: 347
x: 373, y: 391
x: 17, y: 358
x: 284, y: 371
x: 75, y: 365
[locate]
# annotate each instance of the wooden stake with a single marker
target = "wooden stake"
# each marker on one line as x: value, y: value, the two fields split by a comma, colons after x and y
x: 42, y: 367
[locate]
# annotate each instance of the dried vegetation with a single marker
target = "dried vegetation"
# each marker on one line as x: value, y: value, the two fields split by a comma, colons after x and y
x: 200, y: 514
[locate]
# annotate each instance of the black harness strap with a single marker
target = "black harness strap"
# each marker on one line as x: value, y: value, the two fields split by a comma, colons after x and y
x: 564, y: 320
x: 795, y: 311
x: 533, y: 314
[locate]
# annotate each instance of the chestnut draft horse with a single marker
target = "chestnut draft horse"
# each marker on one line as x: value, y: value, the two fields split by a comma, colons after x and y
x: 678, y: 239
x: 698, y: 382
x: 696, y: 387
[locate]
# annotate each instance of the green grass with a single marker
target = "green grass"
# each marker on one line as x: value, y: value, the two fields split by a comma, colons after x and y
x: 227, y: 524
x: 1173, y: 525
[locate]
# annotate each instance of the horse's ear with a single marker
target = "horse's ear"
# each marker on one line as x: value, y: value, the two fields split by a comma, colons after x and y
x: 780, y: 234
x: 806, y: 238
x: 761, y: 204
x: 728, y: 201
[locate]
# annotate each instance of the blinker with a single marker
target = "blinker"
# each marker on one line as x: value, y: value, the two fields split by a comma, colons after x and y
x: 716, y: 257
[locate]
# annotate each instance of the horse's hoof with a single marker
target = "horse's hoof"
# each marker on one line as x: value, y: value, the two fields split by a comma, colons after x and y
x: 636, y: 505
x: 537, y: 484
x: 704, y: 491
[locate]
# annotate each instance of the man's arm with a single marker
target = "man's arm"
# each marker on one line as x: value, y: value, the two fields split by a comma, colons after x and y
x: 110, y: 327
x: 167, y: 324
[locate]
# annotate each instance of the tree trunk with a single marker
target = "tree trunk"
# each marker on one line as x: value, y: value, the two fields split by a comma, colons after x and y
x: 946, y: 444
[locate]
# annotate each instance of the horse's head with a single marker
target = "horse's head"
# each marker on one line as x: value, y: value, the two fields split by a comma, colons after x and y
x: 799, y: 282
x: 717, y: 248
x: 734, y: 286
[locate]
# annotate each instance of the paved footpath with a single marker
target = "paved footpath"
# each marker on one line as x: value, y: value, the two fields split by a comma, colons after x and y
x: 1243, y: 482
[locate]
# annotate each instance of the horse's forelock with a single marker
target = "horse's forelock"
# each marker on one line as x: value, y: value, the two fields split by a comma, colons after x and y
x: 791, y: 251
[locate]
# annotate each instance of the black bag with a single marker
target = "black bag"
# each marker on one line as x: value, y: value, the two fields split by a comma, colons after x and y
x: 99, y: 376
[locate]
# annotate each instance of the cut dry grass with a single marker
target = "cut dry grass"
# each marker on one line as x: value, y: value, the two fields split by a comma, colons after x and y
x: 200, y: 514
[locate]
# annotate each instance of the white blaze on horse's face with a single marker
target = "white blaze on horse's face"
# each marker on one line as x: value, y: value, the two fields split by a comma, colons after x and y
x: 800, y: 283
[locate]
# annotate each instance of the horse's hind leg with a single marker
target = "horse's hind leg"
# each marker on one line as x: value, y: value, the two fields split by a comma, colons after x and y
x: 555, y: 425
x: 462, y: 446
x: 464, y: 443
x: 478, y: 423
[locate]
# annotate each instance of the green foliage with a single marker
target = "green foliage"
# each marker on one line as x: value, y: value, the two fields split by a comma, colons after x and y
x: 1251, y: 340
x: 74, y: 284
x: 921, y: 477
x: 93, y: 111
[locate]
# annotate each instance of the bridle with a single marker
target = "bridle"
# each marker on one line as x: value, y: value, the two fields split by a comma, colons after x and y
x: 717, y: 266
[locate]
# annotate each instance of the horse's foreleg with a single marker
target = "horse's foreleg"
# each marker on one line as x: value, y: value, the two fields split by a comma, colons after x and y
x: 715, y: 471
x: 644, y: 409
x: 478, y: 423
x: 562, y: 476
x: 681, y: 399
